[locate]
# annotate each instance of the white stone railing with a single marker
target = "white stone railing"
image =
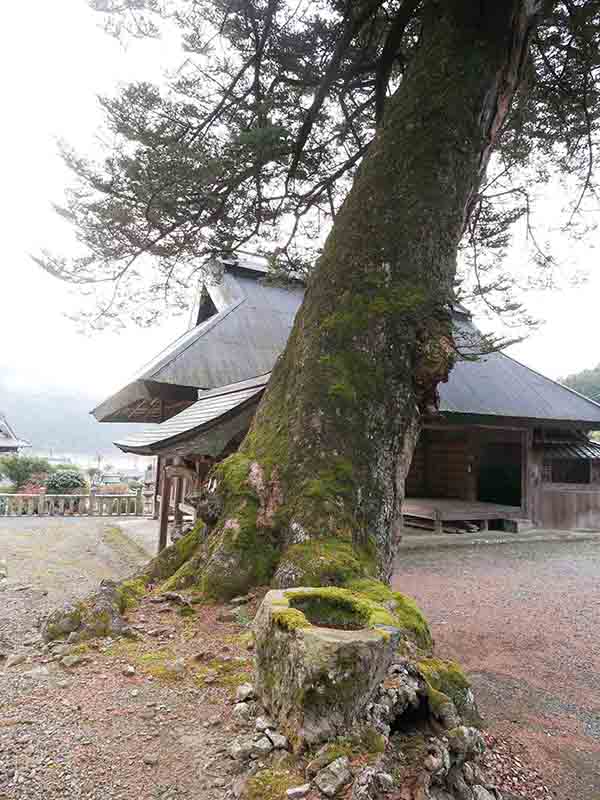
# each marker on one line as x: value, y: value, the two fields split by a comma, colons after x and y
x: 73, y: 505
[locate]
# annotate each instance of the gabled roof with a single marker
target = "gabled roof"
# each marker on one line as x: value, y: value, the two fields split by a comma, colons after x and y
x: 213, y: 409
x: 8, y: 438
x: 240, y: 336
x: 246, y: 330
x: 495, y: 385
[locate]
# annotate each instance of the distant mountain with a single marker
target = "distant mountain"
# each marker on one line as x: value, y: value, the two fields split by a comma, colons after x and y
x: 60, y: 422
x: 586, y: 382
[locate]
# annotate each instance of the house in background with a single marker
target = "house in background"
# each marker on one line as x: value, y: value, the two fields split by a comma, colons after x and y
x: 508, y: 446
x: 9, y: 441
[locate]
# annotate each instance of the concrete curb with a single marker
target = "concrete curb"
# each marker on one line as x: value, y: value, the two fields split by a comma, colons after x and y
x: 411, y: 541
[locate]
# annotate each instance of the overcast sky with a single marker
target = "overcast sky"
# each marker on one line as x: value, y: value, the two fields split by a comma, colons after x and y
x: 55, y: 60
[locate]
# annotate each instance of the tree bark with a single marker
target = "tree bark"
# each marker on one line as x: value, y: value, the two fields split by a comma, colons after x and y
x: 315, y: 492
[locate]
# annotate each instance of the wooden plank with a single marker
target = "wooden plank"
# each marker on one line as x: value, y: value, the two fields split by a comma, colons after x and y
x: 165, y: 499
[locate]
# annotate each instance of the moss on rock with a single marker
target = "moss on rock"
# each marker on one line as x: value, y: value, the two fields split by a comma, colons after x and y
x: 334, y: 607
x: 131, y: 592
x: 407, y: 615
x: 290, y: 619
x: 271, y: 784
x: 447, y: 683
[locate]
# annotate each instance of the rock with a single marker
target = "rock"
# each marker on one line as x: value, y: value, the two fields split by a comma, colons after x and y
x: 240, y: 749
x: 334, y: 671
x: 99, y: 615
x: 262, y: 747
x: 334, y: 777
x: 61, y: 622
x: 37, y: 672
x: 467, y: 744
x: 322, y: 759
x: 150, y: 760
x: 262, y: 724
x: 245, y: 692
x: 15, y: 659
x: 129, y: 671
x: 298, y: 792
x: 365, y: 785
x: 175, y: 597
x: 481, y: 793
x: 242, y: 712
x: 71, y: 661
x: 3, y: 569
x: 278, y: 741
x: 371, y: 784
x: 385, y: 782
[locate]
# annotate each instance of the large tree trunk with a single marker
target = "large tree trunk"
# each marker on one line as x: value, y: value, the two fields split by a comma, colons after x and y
x: 314, y: 494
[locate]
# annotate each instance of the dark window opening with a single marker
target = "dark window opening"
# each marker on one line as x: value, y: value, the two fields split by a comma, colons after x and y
x: 500, y: 473
x: 566, y: 471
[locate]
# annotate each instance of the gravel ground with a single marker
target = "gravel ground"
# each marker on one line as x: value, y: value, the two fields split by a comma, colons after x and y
x: 123, y: 724
x: 524, y: 620
x: 93, y: 731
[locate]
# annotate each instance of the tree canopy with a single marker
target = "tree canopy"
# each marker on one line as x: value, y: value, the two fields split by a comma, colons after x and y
x: 586, y: 382
x: 253, y: 142
x: 21, y: 469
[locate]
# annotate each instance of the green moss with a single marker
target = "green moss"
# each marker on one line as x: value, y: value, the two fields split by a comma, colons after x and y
x: 271, y: 784
x: 233, y: 474
x: 79, y: 649
x: 242, y: 555
x: 328, y: 562
x: 226, y: 674
x: 131, y: 592
x: 187, y: 574
x: 290, y: 618
x: 407, y: 615
x: 446, y: 682
x: 366, y: 744
x: 168, y: 561
x: 335, y: 480
x: 336, y: 607
x: 148, y: 662
x: 187, y: 545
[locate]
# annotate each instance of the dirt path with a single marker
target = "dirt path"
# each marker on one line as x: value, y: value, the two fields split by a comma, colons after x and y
x: 524, y: 619
x: 90, y: 731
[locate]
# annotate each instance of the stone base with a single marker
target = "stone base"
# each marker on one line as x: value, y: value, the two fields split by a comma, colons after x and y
x: 316, y: 681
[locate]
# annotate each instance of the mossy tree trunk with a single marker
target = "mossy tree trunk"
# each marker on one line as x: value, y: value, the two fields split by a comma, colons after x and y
x: 315, y: 492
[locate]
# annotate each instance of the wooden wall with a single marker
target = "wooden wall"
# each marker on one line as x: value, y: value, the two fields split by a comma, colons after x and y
x: 440, y: 465
x: 567, y: 506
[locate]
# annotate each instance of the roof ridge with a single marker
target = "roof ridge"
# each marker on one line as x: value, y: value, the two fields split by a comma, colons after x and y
x: 194, y: 334
x: 551, y: 380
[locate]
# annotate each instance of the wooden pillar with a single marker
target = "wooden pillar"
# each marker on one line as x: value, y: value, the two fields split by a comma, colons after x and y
x: 527, y: 474
x: 165, y: 501
x: 472, y: 481
x: 156, y: 488
x: 177, y: 499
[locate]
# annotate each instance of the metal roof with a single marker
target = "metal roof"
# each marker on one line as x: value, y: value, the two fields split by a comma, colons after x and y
x: 8, y: 438
x: 212, y: 407
x: 250, y: 329
x: 497, y: 385
x: 243, y: 339
x: 571, y: 450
